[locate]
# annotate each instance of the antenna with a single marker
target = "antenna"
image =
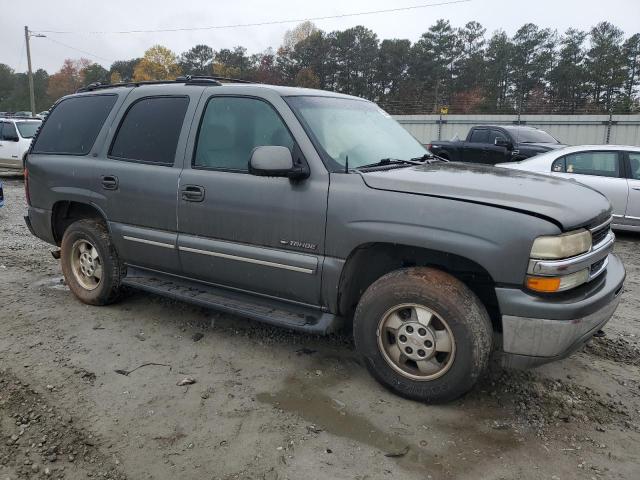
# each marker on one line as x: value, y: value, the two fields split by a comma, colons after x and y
x: 346, y: 164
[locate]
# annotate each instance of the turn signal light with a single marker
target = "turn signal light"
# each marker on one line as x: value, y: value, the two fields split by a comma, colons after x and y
x: 543, y: 284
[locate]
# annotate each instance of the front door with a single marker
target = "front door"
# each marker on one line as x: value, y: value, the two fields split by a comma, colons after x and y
x: 9, y: 143
x: 138, y: 175
x: 259, y: 234
x: 633, y: 205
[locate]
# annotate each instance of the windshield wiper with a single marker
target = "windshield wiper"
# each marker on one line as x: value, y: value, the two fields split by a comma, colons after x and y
x: 389, y: 161
x: 429, y: 158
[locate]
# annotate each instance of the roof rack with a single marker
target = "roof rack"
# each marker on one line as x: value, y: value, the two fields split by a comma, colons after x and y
x: 186, y: 79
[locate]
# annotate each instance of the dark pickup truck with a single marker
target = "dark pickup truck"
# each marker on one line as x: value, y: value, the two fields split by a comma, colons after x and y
x: 493, y: 144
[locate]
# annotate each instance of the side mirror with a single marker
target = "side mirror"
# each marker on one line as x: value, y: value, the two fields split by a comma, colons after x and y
x: 501, y: 142
x: 274, y: 161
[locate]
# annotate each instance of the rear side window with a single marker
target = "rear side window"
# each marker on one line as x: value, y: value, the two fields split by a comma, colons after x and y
x: 558, y: 165
x: 634, y: 162
x: 73, y: 125
x: 150, y: 130
x: 479, y: 136
x: 9, y: 132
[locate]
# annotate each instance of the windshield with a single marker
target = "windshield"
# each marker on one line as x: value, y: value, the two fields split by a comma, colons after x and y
x: 532, y: 136
x: 27, y: 129
x: 356, y: 129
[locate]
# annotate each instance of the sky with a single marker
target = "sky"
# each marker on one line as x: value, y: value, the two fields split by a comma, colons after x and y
x: 81, y: 16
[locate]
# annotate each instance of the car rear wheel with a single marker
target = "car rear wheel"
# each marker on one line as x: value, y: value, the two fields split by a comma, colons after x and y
x: 423, y: 334
x: 90, y: 263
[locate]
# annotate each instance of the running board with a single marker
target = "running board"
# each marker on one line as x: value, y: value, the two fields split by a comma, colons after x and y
x: 273, y: 312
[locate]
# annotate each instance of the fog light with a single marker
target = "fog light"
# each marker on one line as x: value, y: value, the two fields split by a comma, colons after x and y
x: 557, y: 284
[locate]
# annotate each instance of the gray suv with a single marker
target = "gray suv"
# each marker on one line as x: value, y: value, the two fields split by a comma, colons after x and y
x: 314, y: 211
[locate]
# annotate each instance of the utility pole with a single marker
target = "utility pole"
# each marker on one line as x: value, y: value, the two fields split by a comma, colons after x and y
x: 32, y: 97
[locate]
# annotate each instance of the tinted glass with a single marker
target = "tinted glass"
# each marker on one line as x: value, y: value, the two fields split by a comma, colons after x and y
x: 9, y: 132
x: 28, y: 129
x: 150, y: 130
x: 479, y: 136
x: 74, y: 124
x: 634, y: 162
x: 604, y: 164
x: 558, y: 165
x: 531, y: 135
x: 232, y: 127
x: 354, y: 129
x: 497, y: 134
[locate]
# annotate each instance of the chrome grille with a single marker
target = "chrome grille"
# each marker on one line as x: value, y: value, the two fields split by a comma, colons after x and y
x: 599, y: 233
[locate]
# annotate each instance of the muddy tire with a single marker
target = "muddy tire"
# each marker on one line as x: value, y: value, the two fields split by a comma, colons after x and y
x: 90, y: 263
x: 423, y: 334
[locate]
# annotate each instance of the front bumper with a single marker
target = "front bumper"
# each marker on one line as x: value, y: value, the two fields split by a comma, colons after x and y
x: 538, y: 330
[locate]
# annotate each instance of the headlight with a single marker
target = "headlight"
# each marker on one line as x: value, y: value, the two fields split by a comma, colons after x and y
x: 561, y: 246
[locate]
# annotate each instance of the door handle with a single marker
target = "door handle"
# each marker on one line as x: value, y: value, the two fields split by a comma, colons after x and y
x: 193, y: 193
x: 110, y: 182
x: 636, y: 188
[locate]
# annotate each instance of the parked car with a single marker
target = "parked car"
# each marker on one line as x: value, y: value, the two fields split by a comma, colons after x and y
x: 15, y: 138
x: 613, y: 170
x: 312, y: 210
x: 23, y: 113
x: 493, y: 144
x: 43, y: 114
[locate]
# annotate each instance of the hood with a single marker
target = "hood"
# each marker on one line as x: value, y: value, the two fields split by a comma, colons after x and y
x: 566, y: 203
x: 543, y: 147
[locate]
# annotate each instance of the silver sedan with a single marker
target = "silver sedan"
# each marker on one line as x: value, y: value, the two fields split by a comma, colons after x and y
x: 613, y: 170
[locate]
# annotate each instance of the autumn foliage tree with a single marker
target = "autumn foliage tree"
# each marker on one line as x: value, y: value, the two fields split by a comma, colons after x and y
x: 68, y: 79
x: 158, y: 63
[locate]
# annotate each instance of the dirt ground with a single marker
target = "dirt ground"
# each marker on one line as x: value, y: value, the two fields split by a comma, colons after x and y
x: 270, y: 404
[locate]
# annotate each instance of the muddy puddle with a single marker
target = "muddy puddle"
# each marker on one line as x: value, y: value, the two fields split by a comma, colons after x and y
x: 431, y: 446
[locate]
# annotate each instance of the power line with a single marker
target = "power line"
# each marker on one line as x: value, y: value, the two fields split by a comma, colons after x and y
x: 78, y: 49
x: 258, y: 24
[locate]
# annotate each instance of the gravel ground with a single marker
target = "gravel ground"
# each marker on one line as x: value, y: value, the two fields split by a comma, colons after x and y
x: 271, y: 404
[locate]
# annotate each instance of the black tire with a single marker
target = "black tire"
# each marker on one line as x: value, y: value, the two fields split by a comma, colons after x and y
x: 453, y: 302
x: 108, y: 287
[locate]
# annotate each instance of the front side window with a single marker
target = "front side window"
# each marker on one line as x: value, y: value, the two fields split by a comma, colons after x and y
x: 634, y: 162
x: 479, y: 136
x: 531, y: 135
x: 28, y: 129
x: 150, y: 130
x: 497, y: 135
x: 558, y: 165
x: 232, y: 127
x: 73, y: 125
x: 604, y: 164
x: 356, y: 130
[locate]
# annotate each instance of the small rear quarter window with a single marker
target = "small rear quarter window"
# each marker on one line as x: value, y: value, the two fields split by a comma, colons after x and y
x: 73, y: 125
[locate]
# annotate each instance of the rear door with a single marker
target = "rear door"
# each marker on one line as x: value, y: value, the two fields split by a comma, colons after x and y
x: 633, y: 205
x: 264, y: 235
x: 600, y: 169
x: 138, y: 172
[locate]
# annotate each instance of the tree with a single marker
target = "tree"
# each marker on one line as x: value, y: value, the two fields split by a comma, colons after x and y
x: 94, y: 73
x: 567, y: 77
x: 302, y: 31
x: 232, y: 63
x: 533, y: 53
x: 122, y: 70
x: 432, y: 62
x: 197, y: 60
x: 158, y: 63
x: 470, y: 66
x: 392, y: 66
x: 7, y: 83
x: 631, y: 51
x: 498, y: 73
x: 354, y: 52
x: 605, y: 64
x: 68, y: 79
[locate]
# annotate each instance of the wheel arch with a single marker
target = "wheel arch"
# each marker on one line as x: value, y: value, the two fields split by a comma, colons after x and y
x: 65, y: 212
x: 368, y: 262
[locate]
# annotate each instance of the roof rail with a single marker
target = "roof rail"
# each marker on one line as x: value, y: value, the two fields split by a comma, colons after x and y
x: 210, y: 79
x: 187, y: 80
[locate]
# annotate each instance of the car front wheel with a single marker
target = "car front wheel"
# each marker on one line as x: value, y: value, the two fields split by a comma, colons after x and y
x: 423, y: 334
